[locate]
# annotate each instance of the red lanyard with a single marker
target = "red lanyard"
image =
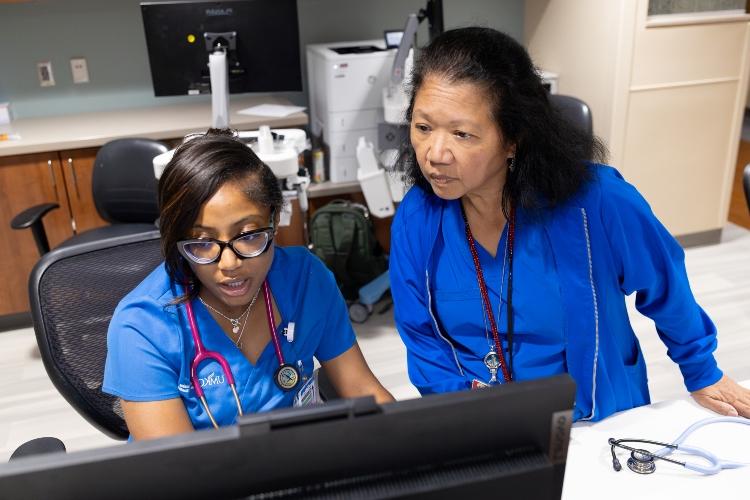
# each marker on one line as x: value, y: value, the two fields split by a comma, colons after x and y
x: 507, y: 373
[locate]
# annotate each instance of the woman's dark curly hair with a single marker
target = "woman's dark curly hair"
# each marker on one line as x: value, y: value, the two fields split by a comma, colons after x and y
x: 551, y: 156
x: 199, y: 167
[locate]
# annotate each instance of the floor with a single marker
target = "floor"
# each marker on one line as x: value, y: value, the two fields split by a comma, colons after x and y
x: 720, y: 275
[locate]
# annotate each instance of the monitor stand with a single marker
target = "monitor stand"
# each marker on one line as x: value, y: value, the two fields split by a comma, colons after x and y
x: 217, y: 66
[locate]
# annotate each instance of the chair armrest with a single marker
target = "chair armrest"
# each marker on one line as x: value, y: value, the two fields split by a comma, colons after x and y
x: 32, y: 215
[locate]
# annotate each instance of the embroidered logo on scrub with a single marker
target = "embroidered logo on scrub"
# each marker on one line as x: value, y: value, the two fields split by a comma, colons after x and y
x: 212, y: 379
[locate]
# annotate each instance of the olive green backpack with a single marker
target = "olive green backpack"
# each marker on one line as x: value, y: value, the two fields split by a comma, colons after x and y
x: 342, y: 235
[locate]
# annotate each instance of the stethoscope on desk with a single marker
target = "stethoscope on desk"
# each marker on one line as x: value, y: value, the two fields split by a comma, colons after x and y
x: 643, y: 461
x: 286, y: 376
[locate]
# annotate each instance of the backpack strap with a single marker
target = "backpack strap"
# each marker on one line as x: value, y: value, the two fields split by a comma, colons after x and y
x: 344, y: 247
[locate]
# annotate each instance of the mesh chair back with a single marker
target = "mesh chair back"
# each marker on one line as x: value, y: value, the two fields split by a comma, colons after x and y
x: 575, y: 111
x: 123, y: 183
x: 74, y: 291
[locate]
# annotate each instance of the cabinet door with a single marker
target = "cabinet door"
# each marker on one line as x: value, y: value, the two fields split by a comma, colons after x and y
x: 78, y: 165
x: 27, y: 180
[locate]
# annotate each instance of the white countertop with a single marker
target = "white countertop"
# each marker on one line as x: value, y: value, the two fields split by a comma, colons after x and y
x: 589, y: 473
x: 158, y: 122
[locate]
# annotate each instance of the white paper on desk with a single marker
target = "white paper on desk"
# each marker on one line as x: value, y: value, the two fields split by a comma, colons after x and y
x: 274, y: 110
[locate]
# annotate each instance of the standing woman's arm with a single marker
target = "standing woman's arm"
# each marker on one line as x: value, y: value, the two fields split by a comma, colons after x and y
x: 651, y: 263
x: 432, y: 367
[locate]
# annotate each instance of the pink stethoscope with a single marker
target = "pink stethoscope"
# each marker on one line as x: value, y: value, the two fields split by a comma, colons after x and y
x: 286, y: 376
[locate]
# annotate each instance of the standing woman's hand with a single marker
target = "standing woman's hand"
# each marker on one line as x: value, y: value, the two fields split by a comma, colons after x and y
x: 725, y: 397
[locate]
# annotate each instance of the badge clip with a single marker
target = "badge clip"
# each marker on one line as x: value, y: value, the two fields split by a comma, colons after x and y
x: 289, y: 332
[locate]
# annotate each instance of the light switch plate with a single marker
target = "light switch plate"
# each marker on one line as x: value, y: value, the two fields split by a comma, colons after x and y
x: 79, y: 69
x: 44, y: 71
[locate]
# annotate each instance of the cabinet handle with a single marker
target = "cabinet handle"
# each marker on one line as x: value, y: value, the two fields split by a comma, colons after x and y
x: 75, y: 177
x: 54, y: 180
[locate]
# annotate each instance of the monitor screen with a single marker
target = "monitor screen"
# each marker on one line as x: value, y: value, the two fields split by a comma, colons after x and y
x: 504, y: 441
x: 261, y: 38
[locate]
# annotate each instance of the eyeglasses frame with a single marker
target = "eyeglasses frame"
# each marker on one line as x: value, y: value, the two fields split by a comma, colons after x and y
x: 269, y: 231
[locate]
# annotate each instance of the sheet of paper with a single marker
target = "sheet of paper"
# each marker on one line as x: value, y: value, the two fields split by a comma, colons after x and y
x: 274, y: 110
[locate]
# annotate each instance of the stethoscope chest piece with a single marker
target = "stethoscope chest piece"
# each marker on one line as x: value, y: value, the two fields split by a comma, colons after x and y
x: 642, y: 462
x: 286, y: 377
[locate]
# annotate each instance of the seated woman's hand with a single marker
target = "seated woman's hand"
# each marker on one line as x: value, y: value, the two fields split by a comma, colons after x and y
x: 725, y: 397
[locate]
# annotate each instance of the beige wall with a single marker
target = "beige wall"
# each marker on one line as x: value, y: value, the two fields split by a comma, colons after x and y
x: 667, y: 96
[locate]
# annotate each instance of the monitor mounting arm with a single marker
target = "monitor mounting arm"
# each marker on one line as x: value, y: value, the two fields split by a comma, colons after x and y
x: 433, y: 12
x: 217, y: 46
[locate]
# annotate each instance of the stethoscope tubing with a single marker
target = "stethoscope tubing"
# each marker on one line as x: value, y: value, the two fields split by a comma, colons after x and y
x: 271, y: 325
x: 715, y: 464
x: 202, y: 354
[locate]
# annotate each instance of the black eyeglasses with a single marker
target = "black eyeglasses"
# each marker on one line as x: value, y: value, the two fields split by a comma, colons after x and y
x: 245, y: 245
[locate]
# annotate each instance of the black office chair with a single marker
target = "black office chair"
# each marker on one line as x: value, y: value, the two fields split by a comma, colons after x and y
x: 73, y: 292
x: 746, y: 184
x: 574, y: 110
x: 124, y: 191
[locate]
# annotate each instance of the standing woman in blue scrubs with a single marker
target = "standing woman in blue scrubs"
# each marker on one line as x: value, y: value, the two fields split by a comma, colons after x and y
x: 219, y: 212
x: 512, y: 253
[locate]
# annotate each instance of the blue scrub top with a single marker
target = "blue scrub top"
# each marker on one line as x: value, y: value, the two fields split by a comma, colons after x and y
x: 574, y: 265
x: 150, y: 348
x: 538, y: 339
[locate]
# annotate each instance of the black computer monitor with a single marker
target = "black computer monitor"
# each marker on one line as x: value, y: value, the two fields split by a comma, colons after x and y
x: 507, y: 441
x: 261, y: 37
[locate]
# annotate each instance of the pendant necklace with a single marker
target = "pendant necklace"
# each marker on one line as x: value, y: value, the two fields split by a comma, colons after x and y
x: 494, y: 360
x: 235, y: 322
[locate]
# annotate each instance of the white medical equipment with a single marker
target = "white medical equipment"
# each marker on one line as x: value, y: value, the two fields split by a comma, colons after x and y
x: 280, y: 150
x: 345, y: 82
x: 643, y: 461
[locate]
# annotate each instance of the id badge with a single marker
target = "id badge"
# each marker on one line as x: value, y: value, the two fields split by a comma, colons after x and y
x: 478, y: 384
x: 308, y: 395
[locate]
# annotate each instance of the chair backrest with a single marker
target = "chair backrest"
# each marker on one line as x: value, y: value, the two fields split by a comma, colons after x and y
x: 575, y: 111
x: 74, y: 291
x: 124, y: 186
x: 746, y: 184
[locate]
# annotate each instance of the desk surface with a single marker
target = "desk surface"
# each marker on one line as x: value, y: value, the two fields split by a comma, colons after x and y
x: 589, y: 472
x: 158, y: 122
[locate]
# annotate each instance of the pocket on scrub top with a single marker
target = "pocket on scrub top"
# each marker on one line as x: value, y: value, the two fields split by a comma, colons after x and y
x: 637, y: 381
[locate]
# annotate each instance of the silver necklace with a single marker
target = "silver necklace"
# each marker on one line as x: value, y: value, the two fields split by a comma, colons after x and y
x: 234, y: 321
x: 238, y: 342
x: 491, y: 359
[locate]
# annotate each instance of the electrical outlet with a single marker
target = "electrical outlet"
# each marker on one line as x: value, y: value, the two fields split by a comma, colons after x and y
x: 44, y: 71
x: 79, y: 69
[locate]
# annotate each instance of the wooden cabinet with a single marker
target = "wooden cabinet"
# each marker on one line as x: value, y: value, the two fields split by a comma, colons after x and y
x: 62, y: 177
x: 78, y: 166
x: 28, y: 180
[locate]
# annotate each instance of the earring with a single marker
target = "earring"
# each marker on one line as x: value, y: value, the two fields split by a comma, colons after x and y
x: 510, y: 163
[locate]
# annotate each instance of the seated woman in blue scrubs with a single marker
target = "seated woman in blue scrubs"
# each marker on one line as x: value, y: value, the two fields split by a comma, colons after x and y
x: 512, y: 253
x: 229, y: 323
